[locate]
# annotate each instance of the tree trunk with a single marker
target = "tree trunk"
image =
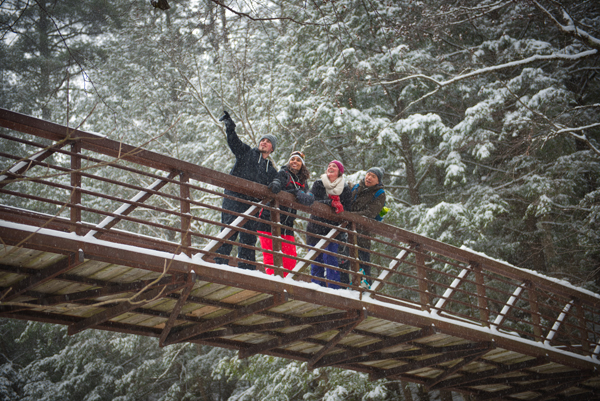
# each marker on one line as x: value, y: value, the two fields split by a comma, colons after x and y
x: 411, y: 175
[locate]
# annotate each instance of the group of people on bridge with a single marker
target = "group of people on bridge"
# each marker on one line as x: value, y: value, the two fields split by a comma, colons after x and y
x: 366, y: 198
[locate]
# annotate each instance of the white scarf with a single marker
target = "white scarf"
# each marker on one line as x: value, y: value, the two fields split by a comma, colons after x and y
x: 333, y: 188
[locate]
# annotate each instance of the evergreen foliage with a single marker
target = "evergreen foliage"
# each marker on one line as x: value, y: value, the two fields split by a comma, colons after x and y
x: 484, y: 115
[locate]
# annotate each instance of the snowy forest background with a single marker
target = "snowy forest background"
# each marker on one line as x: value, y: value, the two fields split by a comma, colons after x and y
x: 484, y: 114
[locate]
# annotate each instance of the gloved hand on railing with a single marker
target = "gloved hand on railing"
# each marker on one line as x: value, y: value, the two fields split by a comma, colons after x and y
x: 336, y: 204
x: 304, y: 198
x: 275, y: 186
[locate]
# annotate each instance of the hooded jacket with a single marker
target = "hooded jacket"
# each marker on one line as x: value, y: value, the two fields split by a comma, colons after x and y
x: 249, y: 165
x: 364, y: 204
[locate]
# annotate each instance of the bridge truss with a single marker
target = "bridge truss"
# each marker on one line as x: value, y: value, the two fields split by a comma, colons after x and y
x: 100, y: 234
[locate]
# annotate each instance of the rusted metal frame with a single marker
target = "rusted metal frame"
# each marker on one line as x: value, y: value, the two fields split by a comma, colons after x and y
x: 77, y: 279
x: 384, y: 275
x: 396, y: 272
x: 48, y: 300
x: 482, y: 304
x: 82, y: 157
x: 335, y: 340
x: 24, y: 164
x: 96, y: 211
x: 120, y: 216
x: 534, y: 377
x: 583, y: 327
x: 368, y: 349
x: 66, y: 320
x: 140, y: 200
x: 437, y: 308
x: 313, y: 253
x: 472, y: 378
x: 580, y: 327
x: 234, y: 330
x: 436, y: 360
x: 557, y: 323
x: 197, y: 329
x: 121, y: 151
x: 514, y: 307
x: 286, y: 321
x: 276, y: 238
x: 229, y: 230
x: 76, y: 184
x: 422, y: 350
x: 176, y: 310
x: 103, y: 145
x: 455, y: 368
x: 42, y: 276
x: 424, y: 297
x: 60, y: 224
x: 354, y: 263
x: 123, y: 307
x: 83, y: 298
x: 186, y: 221
x: 508, y: 306
x: 549, y: 311
x: 535, y: 312
x: 289, y: 338
x: 557, y: 382
x: 552, y: 393
x: 394, y: 265
x: 56, y: 132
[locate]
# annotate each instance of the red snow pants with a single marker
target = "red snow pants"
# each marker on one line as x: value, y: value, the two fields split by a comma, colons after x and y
x: 266, y: 244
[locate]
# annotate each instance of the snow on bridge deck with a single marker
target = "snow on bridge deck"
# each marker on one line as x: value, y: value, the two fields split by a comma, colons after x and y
x: 445, y: 317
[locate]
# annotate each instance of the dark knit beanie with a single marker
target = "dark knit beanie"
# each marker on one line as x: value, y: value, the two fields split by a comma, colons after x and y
x: 378, y: 171
x: 271, y: 139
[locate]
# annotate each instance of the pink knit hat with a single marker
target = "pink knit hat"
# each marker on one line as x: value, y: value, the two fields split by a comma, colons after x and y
x: 339, y: 164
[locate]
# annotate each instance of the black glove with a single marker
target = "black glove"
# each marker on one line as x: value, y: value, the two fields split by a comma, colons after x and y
x: 275, y: 187
x: 304, y: 198
x: 225, y: 116
x: 326, y: 202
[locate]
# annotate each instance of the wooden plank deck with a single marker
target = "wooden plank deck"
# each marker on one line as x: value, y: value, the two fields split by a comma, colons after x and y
x: 437, y: 315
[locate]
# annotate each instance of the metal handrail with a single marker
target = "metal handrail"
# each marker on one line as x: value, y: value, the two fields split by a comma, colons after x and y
x: 413, y: 271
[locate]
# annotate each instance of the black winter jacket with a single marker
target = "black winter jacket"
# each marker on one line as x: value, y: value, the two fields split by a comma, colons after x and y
x: 318, y: 190
x: 288, y: 182
x: 250, y: 165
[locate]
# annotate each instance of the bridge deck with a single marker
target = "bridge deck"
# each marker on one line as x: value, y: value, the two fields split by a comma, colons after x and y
x: 444, y: 317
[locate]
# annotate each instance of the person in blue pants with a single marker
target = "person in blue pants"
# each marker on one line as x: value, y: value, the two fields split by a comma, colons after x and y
x: 331, y: 189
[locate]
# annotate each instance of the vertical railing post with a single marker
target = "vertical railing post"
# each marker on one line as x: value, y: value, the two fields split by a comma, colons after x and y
x: 424, y: 295
x: 535, y: 311
x: 76, y: 184
x: 276, y: 233
x: 583, y: 331
x: 484, y: 312
x: 354, y: 264
x: 186, y: 212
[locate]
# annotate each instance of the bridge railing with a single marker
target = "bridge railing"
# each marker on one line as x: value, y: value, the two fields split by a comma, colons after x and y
x: 68, y: 180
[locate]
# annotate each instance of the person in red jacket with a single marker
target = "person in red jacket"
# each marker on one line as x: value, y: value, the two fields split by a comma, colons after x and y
x: 291, y: 178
